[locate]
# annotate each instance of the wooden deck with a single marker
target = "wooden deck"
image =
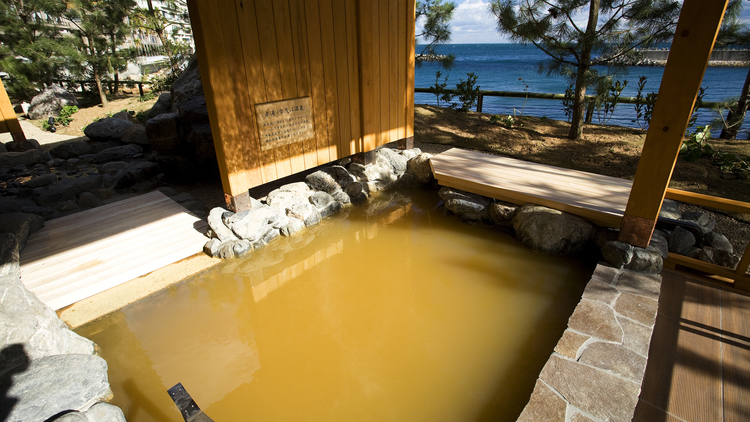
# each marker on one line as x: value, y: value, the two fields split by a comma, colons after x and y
x: 80, y: 255
x: 699, y: 361
x: 600, y: 199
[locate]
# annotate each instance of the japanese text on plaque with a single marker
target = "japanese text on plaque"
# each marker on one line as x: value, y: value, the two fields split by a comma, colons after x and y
x: 284, y: 122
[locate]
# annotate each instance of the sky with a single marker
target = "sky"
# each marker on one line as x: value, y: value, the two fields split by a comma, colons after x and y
x: 472, y: 23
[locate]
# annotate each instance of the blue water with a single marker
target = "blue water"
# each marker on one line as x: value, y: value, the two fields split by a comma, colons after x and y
x: 500, y: 66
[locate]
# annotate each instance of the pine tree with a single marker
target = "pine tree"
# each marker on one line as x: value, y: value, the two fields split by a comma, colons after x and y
x: 735, y: 32
x: 156, y: 20
x: 32, y: 49
x: 97, y: 35
x: 436, y: 30
x: 614, y: 29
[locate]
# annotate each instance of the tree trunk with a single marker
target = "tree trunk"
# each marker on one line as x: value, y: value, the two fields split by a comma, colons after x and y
x: 576, y: 123
x: 579, y: 109
x: 737, y: 114
x: 160, y: 33
x: 102, y: 92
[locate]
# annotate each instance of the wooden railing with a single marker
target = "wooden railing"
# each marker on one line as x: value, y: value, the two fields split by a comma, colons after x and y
x: 738, y: 276
x: 108, y: 82
x: 549, y: 96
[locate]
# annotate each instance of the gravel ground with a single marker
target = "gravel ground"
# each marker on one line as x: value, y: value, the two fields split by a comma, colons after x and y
x: 33, y: 132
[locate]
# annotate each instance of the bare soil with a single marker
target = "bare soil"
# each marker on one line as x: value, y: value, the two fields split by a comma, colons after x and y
x: 125, y: 100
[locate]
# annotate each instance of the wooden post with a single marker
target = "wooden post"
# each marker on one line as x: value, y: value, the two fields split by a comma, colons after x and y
x: 688, y: 57
x: 8, y: 116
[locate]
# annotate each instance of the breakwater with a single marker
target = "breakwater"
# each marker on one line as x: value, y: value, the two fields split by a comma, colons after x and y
x: 718, y: 58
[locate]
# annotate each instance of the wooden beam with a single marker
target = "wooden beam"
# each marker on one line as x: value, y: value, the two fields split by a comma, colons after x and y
x: 8, y: 117
x: 688, y: 57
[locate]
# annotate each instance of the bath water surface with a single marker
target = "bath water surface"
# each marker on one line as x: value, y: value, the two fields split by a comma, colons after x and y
x: 387, y: 312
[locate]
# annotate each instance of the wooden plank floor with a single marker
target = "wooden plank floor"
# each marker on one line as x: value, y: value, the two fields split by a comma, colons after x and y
x: 699, y: 361
x: 601, y: 199
x: 80, y: 255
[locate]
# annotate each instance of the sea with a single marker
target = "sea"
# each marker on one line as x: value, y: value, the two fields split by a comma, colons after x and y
x: 514, y: 67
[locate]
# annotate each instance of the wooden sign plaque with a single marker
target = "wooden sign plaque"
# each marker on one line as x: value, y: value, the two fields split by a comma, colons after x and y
x: 284, y: 122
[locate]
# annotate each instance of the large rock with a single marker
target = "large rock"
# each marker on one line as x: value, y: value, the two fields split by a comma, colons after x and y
x: 135, y: 134
x: 551, y: 231
x: 705, y: 221
x: 322, y: 181
x: 187, y: 86
x: 718, y: 257
x: 670, y: 209
x: 107, y: 129
x: 254, y: 224
x: 162, y: 132
x: 397, y: 161
x: 461, y: 202
x: 420, y: 166
x: 50, y: 102
x: 305, y: 212
x: 10, y: 255
x: 14, y: 204
x: 117, y: 153
x: 162, y: 105
x: 193, y: 111
x: 26, y: 321
x: 99, y: 412
x: 283, y: 198
x: 216, y: 222
x: 68, y: 189
x: 647, y: 260
x: 325, y: 204
x: 45, y: 387
x: 72, y: 149
x: 22, y: 146
x: 26, y: 158
x: 21, y: 224
x: 618, y: 254
x: 718, y: 241
x: 680, y: 240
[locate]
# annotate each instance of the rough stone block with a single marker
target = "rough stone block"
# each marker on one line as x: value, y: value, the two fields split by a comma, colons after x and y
x: 615, y: 358
x: 638, y: 308
x: 646, y: 261
x: 569, y: 344
x: 107, y: 129
x: 544, y: 405
x: 640, y: 284
x: 596, y: 392
x: 600, y: 292
x: 618, y: 254
x: 54, y: 384
x: 597, y: 320
x: 637, y: 337
x: 606, y: 274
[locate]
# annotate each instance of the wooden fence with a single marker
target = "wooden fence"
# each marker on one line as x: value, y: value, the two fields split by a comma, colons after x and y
x: 354, y: 59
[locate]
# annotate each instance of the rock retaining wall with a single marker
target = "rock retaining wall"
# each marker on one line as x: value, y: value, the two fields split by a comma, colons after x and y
x: 47, y: 372
x: 596, y: 369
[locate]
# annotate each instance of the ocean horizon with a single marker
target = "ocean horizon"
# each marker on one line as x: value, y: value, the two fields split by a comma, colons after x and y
x: 514, y: 67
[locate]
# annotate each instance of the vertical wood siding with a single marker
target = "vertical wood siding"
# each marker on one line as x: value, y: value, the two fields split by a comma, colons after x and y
x: 353, y: 58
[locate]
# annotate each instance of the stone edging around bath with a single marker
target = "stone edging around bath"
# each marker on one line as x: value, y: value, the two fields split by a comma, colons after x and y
x: 596, y: 369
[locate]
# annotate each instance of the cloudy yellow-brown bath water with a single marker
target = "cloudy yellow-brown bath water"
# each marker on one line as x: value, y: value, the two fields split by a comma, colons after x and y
x: 393, y: 312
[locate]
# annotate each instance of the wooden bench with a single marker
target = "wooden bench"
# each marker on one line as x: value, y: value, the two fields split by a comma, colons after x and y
x: 599, y: 199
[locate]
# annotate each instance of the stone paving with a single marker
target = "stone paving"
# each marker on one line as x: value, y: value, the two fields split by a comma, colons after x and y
x: 596, y: 369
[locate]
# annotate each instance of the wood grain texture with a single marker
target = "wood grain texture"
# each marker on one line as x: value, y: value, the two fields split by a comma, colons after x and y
x: 690, y: 51
x: 699, y: 360
x: 350, y: 57
x: 601, y: 199
x: 89, y: 252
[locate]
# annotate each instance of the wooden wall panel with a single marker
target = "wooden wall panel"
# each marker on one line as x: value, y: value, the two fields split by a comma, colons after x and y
x: 321, y: 125
x: 351, y: 57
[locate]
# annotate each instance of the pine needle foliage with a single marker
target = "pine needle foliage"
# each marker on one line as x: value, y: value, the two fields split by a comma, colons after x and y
x: 579, y: 34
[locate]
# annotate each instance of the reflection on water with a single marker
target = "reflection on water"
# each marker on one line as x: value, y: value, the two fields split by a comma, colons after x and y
x: 390, y: 312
